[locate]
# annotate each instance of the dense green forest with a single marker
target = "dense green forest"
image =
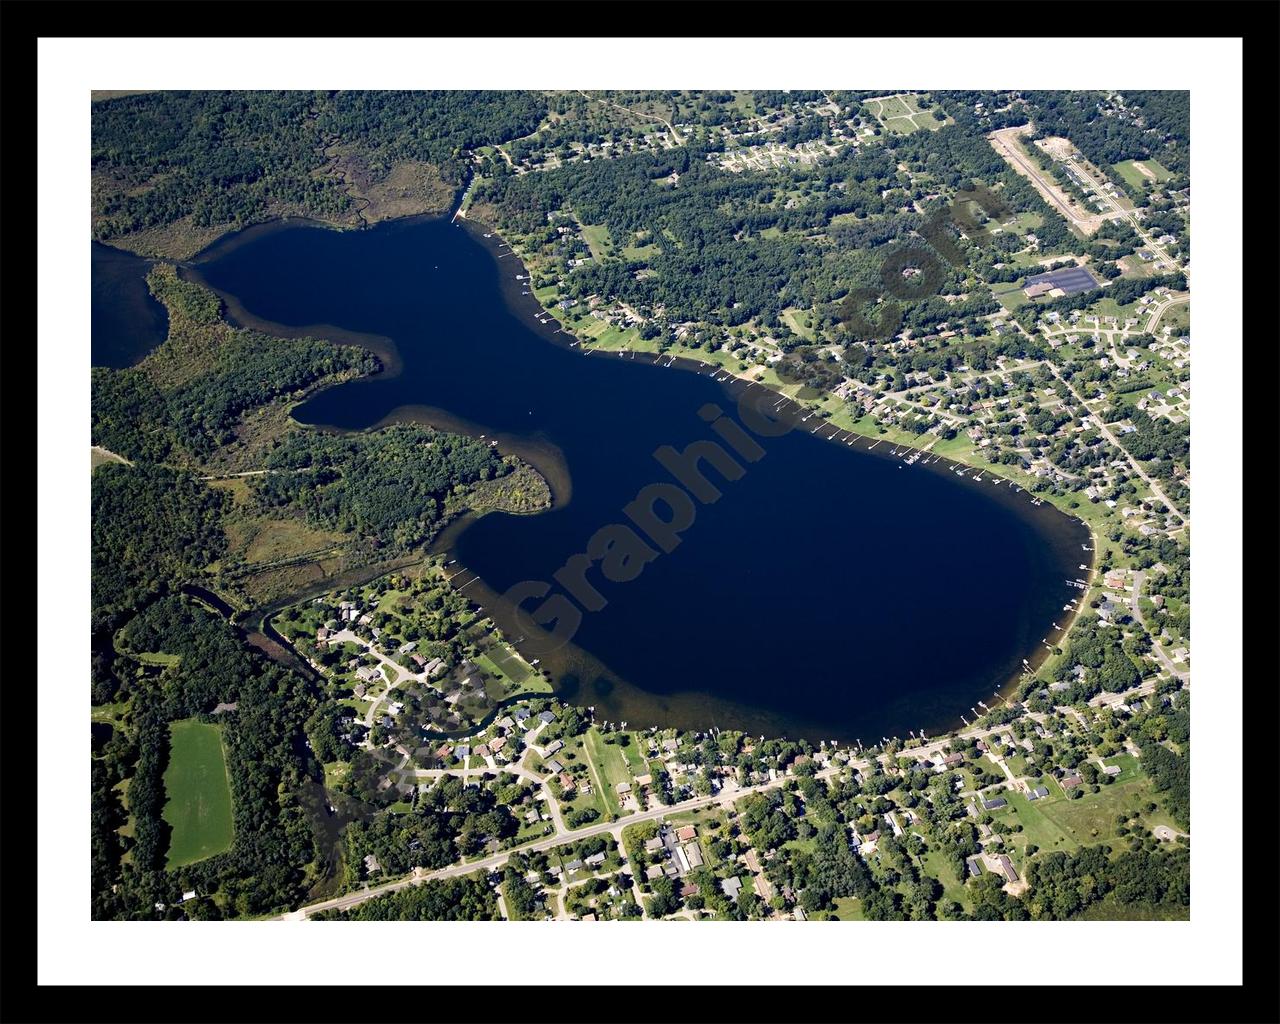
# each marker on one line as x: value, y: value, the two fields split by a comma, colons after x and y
x: 391, y: 486
x: 1065, y: 885
x: 267, y: 761
x: 1153, y: 123
x: 715, y: 262
x: 448, y: 822
x: 231, y: 158
x: 185, y: 400
x: 150, y: 526
x: 466, y: 898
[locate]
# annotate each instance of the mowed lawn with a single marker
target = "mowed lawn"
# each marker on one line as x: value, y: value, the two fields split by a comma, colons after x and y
x: 611, y: 768
x: 199, y: 793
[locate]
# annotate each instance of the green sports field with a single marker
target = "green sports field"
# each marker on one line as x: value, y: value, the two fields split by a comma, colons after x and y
x: 199, y: 793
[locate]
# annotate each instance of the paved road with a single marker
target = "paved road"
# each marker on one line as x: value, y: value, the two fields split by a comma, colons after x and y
x: 725, y: 797
x: 1166, y: 663
x: 398, y: 677
x: 1161, y: 307
x: 1102, y: 429
x: 1002, y: 140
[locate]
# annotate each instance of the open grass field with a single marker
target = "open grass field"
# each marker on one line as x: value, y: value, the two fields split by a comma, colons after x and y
x: 938, y: 866
x: 270, y: 540
x: 903, y: 114
x: 1092, y: 817
x: 1128, y: 765
x: 1038, y: 826
x: 199, y: 793
x: 1132, y: 172
x: 610, y: 768
x: 516, y: 675
x: 598, y: 240
x: 849, y: 908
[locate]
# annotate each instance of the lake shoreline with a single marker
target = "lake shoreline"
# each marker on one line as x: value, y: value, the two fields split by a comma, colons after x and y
x: 490, y: 237
x: 507, y: 264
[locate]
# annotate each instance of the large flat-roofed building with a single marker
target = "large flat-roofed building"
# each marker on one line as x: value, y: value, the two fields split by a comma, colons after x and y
x: 1068, y: 281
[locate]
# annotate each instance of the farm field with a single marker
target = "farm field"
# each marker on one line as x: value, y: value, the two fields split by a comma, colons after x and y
x: 199, y: 793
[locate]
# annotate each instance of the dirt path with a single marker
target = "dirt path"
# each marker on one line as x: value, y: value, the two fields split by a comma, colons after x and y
x: 675, y: 136
x: 1005, y: 144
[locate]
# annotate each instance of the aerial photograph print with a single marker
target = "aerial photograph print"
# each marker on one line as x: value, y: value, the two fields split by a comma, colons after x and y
x: 528, y: 505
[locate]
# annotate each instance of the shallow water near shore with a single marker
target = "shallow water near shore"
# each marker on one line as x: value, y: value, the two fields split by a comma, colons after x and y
x: 830, y: 592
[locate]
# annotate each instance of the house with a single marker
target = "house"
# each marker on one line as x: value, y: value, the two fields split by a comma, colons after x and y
x: 685, y: 833
x: 555, y: 767
x: 596, y: 859
x: 1038, y: 793
x: 546, y: 718
x: 692, y: 855
x: 498, y: 744
x: 554, y: 746
x: 566, y: 781
x: 995, y: 804
x: 574, y: 865
x: 1111, y: 769
x: 587, y: 917
x: 371, y: 865
x: 952, y: 760
x: 653, y: 871
x: 731, y: 887
x: 1006, y: 865
x: 653, y: 845
x: 623, y: 788
x: 975, y: 868
x: 522, y: 714
x: 462, y: 750
x: 482, y: 751
x: 689, y: 889
x: 1071, y: 781
x: 644, y: 780
x: 798, y: 914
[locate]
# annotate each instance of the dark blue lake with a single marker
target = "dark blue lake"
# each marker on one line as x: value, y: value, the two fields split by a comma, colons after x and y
x: 830, y: 593
x: 125, y: 320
